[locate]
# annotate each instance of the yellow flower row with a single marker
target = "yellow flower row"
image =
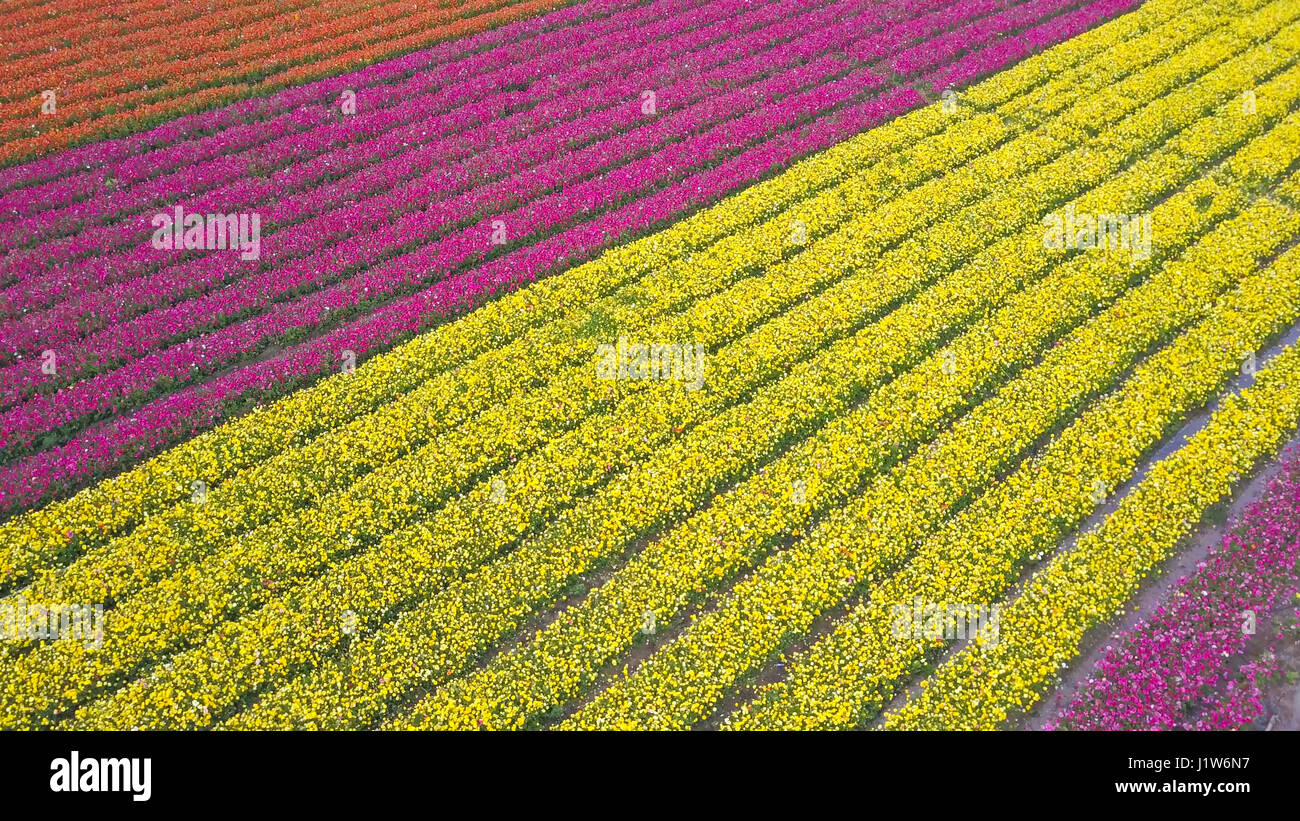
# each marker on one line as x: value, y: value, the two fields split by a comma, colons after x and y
x: 49, y: 537
x: 844, y: 678
x: 530, y: 679
x: 116, y: 504
x: 682, y: 683
x: 740, y: 527
x: 186, y: 604
x: 1041, y: 631
x: 476, y: 611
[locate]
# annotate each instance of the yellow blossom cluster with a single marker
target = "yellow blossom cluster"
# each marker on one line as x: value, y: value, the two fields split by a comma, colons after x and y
x: 872, y: 539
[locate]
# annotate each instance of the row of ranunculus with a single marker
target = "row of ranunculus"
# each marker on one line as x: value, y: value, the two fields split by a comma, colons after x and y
x: 740, y: 528
x: 39, y: 28
x: 399, y: 266
x: 44, y: 537
x: 118, y: 99
x: 540, y: 321
x: 184, y: 369
x: 1173, y: 671
x: 974, y: 557
x: 493, y: 438
x: 248, y: 502
x: 946, y: 47
x: 132, y: 430
x: 359, y: 234
x: 1007, y: 49
x: 396, y: 114
x: 77, y: 174
x: 70, y: 320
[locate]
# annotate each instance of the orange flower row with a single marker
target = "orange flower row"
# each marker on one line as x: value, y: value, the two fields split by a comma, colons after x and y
x: 162, y: 50
x: 51, y: 34
x: 126, y: 90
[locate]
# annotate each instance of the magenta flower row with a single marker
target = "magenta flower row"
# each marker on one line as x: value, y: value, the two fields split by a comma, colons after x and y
x: 497, y: 157
x: 20, y: 425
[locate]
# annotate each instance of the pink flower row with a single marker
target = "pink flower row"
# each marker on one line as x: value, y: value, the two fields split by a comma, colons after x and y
x: 205, y: 135
x: 433, y: 260
x: 247, y: 179
x: 380, y: 108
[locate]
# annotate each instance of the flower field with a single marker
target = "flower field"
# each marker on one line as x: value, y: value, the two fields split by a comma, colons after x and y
x: 645, y: 364
x: 150, y: 353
